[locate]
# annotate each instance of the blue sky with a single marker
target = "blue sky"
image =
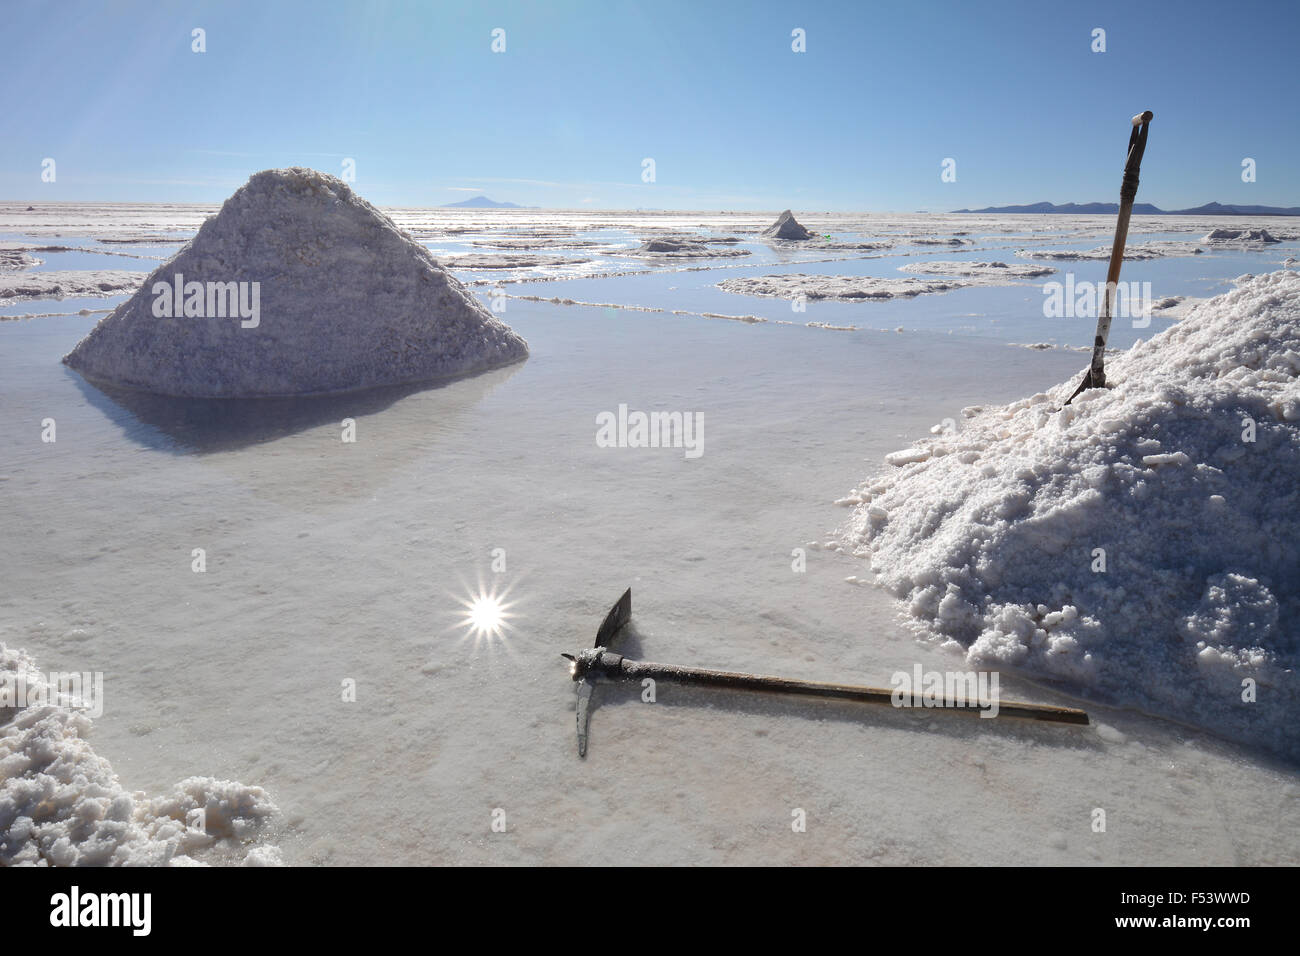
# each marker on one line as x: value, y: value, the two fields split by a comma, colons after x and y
x: 711, y: 91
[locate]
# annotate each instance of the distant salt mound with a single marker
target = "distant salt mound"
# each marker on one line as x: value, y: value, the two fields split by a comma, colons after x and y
x: 472, y: 261
x: 1141, y: 544
x: 297, y: 286
x: 678, y: 247
x: 61, y: 804
x: 798, y: 285
x: 933, y: 241
x: 1133, y: 252
x: 786, y: 227
x: 1240, y: 236
x: 979, y: 270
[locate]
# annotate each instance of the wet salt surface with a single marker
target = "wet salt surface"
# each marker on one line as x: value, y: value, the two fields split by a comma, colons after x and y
x: 330, y: 561
x: 1011, y: 313
x: 600, y: 270
x: 84, y: 254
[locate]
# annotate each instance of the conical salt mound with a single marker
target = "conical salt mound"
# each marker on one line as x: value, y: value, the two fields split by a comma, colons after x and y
x: 787, y: 227
x: 297, y: 286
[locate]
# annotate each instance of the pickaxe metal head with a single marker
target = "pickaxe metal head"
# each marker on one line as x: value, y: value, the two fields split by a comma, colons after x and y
x: 581, y: 664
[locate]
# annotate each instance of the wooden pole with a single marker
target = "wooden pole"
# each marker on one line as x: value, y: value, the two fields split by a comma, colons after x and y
x: 1137, y: 144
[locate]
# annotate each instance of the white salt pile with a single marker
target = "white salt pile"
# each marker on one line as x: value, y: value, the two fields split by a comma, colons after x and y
x: 1142, y: 544
x: 472, y: 261
x: 62, y: 805
x: 786, y: 227
x: 982, y: 270
x: 793, y: 285
x: 846, y: 245
x: 297, y: 286
x: 677, y: 247
x: 940, y: 242
x: 1240, y: 237
x: 1133, y: 252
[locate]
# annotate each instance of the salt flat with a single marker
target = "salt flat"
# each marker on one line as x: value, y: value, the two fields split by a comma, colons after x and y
x: 330, y: 561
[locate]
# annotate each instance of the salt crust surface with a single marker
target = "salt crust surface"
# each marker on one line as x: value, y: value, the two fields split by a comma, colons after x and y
x: 841, y: 288
x: 65, y: 284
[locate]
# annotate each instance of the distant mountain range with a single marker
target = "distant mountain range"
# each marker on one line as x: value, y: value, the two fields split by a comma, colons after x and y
x: 482, y: 202
x: 1143, y: 208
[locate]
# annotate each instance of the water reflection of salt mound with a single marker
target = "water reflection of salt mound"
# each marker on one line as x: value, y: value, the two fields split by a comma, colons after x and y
x: 307, y: 454
x: 297, y: 286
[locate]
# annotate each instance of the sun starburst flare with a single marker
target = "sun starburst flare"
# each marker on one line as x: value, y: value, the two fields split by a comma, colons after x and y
x: 486, y: 615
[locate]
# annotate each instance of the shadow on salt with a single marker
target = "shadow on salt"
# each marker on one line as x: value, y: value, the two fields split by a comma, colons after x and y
x: 206, y: 426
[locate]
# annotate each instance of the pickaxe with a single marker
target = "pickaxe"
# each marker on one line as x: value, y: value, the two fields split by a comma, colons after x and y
x: 599, y: 661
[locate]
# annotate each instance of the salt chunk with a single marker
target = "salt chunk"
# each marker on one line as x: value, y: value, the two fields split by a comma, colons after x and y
x: 906, y: 456
x: 1173, y: 458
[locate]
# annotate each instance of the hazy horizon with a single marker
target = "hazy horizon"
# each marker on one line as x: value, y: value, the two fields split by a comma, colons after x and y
x: 774, y: 211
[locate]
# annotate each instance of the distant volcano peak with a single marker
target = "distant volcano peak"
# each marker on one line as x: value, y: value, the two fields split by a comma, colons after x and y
x: 482, y: 202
